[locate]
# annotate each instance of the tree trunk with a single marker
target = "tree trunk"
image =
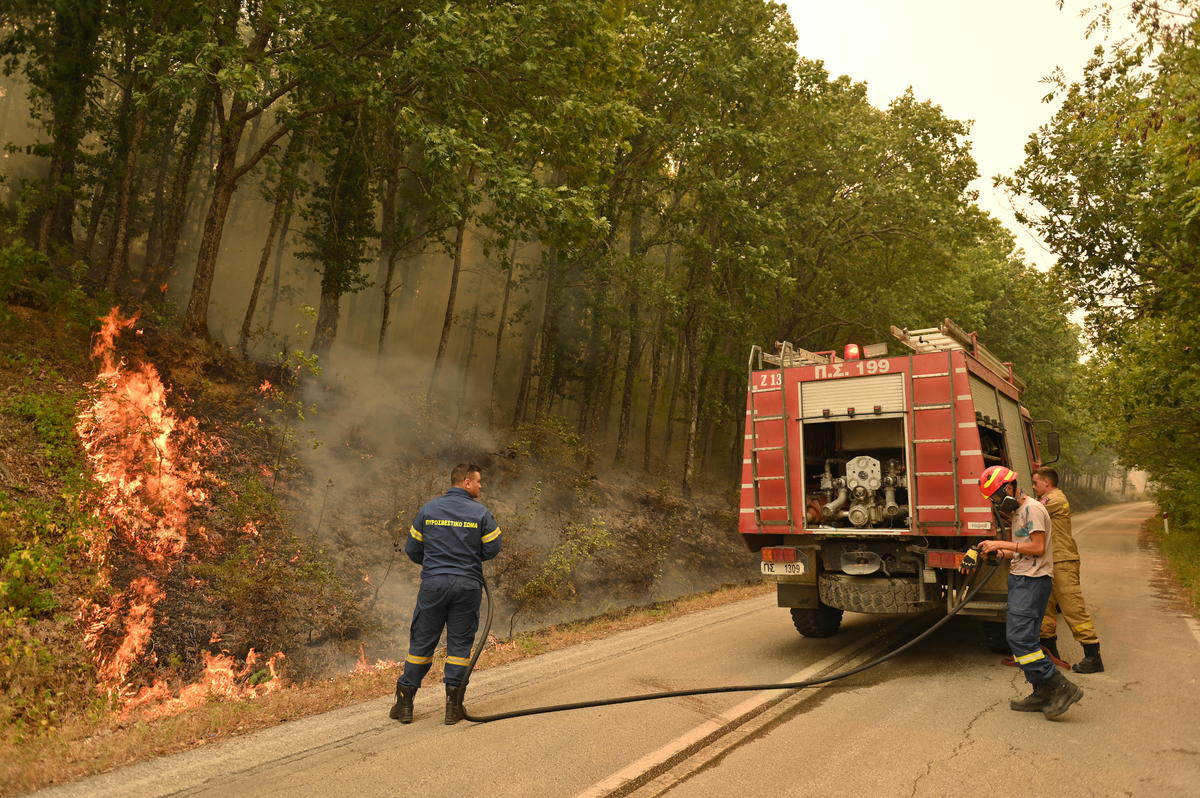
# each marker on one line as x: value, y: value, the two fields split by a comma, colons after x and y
x: 500, y: 325
x: 277, y: 271
x: 225, y: 175
x: 546, y: 365
x: 195, y: 320
x: 388, y: 253
x: 327, y: 315
x: 596, y: 360
x: 180, y: 182
x: 70, y: 72
x: 283, y: 203
x: 268, y: 246
x: 465, y: 382
x: 531, y: 349
x: 689, y: 446
x: 95, y: 214
x: 633, y: 358
x: 385, y: 317
x: 597, y: 390
x: 710, y: 422
x: 448, y: 321
x: 118, y: 259
x: 611, y: 368
x: 158, y: 216
x: 652, y: 399
x: 674, y: 364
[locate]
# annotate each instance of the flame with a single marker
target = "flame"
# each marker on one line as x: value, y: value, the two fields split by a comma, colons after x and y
x: 222, y: 678
x: 363, y: 668
x: 133, y: 442
x: 148, y: 467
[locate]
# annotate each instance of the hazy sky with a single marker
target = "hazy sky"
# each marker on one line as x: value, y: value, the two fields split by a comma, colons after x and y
x: 981, y: 60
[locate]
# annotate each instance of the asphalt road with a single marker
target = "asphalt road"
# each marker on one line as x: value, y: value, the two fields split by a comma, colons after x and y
x: 935, y: 721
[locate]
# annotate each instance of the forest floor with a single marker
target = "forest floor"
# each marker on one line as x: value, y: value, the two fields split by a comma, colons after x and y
x: 585, y: 555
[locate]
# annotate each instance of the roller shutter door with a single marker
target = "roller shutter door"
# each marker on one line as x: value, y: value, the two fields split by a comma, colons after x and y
x: 984, y: 396
x: 860, y: 393
x: 1015, y: 439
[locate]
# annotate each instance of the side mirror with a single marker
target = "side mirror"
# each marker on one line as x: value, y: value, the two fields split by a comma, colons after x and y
x: 1053, y: 444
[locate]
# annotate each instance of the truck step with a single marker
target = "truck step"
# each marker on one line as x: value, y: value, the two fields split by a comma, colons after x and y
x: 986, y: 605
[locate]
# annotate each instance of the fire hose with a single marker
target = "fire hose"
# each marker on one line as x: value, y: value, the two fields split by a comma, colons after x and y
x: 978, y: 583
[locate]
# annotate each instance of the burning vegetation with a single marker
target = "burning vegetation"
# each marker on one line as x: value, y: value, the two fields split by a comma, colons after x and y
x: 149, y: 466
x: 187, y: 518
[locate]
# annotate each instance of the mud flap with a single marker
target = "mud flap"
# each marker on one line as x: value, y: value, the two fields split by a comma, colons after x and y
x: 798, y: 594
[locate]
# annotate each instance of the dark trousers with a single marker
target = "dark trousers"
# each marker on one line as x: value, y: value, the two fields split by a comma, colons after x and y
x: 450, y: 603
x: 1027, y: 596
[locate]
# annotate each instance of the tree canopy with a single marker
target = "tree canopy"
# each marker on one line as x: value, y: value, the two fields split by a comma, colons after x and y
x: 623, y: 196
x: 1114, y: 181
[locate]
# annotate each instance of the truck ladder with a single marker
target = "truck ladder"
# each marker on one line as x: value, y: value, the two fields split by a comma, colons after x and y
x: 945, y: 401
x: 757, y: 479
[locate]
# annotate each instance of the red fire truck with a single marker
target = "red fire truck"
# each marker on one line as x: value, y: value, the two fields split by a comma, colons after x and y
x: 860, y: 473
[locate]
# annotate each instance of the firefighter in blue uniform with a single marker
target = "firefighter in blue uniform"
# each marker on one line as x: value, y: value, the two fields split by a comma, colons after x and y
x: 450, y: 538
x: 1031, y: 550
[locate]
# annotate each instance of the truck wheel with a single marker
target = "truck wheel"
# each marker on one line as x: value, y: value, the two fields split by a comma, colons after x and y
x: 821, y: 622
x: 995, y: 637
x: 875, y: 595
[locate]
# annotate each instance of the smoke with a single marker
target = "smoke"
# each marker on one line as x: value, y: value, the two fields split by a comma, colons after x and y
x: 379, y: 442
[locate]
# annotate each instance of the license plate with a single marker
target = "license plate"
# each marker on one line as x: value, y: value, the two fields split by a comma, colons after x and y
x: 783, y: 568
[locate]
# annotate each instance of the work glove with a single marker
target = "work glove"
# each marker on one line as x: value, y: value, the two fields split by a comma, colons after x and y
x: 970, y: 561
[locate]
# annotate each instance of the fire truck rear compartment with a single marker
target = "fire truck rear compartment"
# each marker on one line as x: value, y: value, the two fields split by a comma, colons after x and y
x: 855, y: 474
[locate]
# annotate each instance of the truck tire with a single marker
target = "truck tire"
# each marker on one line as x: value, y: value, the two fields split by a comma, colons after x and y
x: 824, y: 621
x: 874, y: 595
x: 995, y: 638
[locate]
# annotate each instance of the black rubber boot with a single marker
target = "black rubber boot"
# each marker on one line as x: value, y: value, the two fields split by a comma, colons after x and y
x: 454, y: 710
x: 1091, y: 662
x: 1050, y: 646
x: 1063, y: 693
x: 402, y: 710
x: 1035, y: 701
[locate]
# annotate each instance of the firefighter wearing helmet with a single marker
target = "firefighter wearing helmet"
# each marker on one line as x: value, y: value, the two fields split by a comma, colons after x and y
x: 1029, y: 587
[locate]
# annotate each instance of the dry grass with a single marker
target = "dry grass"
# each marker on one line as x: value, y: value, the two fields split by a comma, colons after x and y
x: 87, y: 748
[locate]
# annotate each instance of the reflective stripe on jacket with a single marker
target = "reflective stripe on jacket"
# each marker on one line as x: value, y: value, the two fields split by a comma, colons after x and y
x: 453, y: 534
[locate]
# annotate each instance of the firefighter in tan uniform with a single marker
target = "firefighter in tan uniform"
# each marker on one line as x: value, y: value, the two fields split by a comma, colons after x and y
x: 1067, y: 595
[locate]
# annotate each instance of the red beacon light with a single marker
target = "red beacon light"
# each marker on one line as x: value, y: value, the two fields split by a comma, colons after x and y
x: 851, y: 352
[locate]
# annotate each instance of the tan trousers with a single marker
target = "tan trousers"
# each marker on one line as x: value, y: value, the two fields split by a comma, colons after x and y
x: 1067, y: 598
